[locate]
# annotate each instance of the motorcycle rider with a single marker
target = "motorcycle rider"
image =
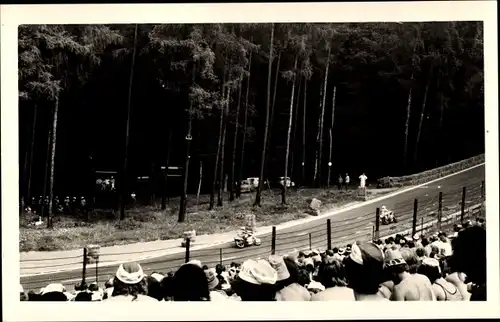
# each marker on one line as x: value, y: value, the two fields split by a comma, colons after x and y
x: 386, y: 215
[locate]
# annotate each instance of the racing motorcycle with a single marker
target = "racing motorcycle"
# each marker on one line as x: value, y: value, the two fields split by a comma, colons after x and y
x: 387, y: 216
x: 246, y: 238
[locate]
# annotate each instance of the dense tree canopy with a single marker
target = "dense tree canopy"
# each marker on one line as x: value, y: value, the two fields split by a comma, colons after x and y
x: 408, y: 97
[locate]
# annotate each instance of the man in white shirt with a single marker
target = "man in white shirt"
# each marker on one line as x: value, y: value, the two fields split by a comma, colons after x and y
x: 347, y: 180
x: 444, y: 245
x: 362, y: 180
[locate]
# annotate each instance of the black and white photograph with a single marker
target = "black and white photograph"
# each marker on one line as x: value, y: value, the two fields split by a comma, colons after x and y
x: 252, y: 161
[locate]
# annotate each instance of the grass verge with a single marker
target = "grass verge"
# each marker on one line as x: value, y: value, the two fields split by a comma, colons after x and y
x: 149, y: 223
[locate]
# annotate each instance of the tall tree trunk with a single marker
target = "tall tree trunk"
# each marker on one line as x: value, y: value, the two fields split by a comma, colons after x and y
x: 52, y: 161
x: 219, y: 143
x: 263, y: 159
x: 288, y: 136
x: 199, y: 184
x: 294, y: 135
x: 189, y: 138
x: 316, y: 150
x: 273, y: 110
x: 320, y: 159
x: 23, y: 185
x: 407, y: 125
x: 441, y: 130
x: 245, y: 124
x: 124, y: 188
x: 165, y: 174
x: 303, y: 164
x: 235, y: 141
x: 220, y: 194
x: 331, y: 136
x: 422, y: 114
x: 30, y: 168
x: 46, y: 175
x: 439, y: 142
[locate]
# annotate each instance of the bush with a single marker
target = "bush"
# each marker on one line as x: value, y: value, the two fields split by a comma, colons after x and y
x: 128, y: 224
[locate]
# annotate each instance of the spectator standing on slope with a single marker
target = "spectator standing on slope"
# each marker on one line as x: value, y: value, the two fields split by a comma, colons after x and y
x: 347, y: 180
x: 362, y: 181
x: 340, y: 182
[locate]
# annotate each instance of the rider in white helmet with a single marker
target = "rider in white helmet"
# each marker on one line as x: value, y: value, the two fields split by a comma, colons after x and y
x: 386, y: 214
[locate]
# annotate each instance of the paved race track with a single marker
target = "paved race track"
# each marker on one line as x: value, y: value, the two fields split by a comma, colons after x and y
x: 347, y: 227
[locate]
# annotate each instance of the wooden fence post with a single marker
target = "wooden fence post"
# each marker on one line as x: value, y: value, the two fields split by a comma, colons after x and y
x: 273, y: 241
x: 415, y: 212
x: 329, y: 233
x: 462, y: 209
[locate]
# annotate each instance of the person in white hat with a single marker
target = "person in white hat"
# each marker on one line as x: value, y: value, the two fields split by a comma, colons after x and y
x: 129, y: 284
x: 256, y: 281
x: 288, y: 287
x: 364, y: 271
x: 53, y: 292
x: 417, y: 241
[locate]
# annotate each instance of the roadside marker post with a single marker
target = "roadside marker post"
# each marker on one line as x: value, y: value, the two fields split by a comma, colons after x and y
x: 377, y: 224
x: 220, y: 256
x: 310, y: 241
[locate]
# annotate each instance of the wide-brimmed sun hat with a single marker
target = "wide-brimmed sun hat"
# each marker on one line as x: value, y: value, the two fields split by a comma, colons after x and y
x: 130, y: 273
x: 369, y: 250
x: 258, y: 272
x: 394, y: 258
x: 279, y: 265
x: 315, y: 286
x: 432, y: 262
x: 54, y: 287
x: 195, y: 262
x: 157, y: 276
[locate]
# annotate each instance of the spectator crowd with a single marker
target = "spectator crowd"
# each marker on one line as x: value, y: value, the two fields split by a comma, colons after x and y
x: 439, y: 267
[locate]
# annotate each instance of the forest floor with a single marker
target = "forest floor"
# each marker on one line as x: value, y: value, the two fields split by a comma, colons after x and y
x: 150, y: 223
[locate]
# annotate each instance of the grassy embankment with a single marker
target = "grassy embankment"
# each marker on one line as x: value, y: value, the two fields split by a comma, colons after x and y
x: 149, y: 223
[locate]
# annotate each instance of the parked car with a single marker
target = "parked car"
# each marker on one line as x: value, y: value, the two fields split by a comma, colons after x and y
x: 289, y: 182
x: 249, y: 184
